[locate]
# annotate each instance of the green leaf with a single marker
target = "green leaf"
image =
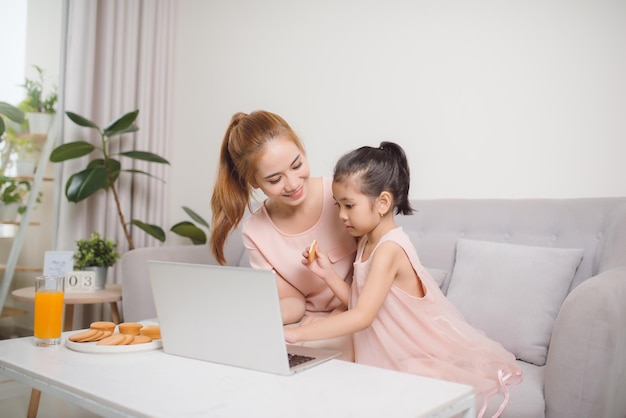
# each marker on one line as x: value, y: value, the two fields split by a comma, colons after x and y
x: 2, y: 128
x: 189, y: 230
x: 193, y: 215
x: 145, y: 156
x: 152, y: 230
x: 121, y: 124
x: 71, y: 150
x: 11, y: 112
x: 83, y: 184
x: 79, y: 120
x: 133, y: 171
x: 114, y: 168
x: 130, y: 129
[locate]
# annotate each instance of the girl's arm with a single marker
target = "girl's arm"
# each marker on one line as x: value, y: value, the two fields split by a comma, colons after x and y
x: 383, y: 270
x: 322, y: 267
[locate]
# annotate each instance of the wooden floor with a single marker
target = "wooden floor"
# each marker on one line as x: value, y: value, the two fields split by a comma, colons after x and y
x: 11, y: 312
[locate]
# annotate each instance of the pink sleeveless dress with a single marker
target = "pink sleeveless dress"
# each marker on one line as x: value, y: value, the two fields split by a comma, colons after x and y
x: 428, y: 336
x: 270, y: 248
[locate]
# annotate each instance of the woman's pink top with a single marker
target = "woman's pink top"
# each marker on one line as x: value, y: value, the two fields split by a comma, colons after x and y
x: 428, y: 336
x: 270, y: 248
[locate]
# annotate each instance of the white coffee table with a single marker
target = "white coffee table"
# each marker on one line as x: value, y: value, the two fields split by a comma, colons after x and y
x: 156, y: 384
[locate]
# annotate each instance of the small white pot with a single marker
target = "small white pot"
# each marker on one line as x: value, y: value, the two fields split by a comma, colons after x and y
x: 39, y: 123
x: 8, y: 213
x: 25, y: 166
x: 101, y: 276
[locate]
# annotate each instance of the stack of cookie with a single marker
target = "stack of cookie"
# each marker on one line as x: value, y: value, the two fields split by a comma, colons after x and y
x: 103, y: 333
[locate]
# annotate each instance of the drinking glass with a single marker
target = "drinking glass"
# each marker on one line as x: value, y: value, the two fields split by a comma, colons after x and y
x: 49, y: 292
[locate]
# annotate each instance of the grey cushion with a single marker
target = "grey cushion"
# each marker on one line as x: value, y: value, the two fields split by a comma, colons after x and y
x: 513, y: 292
x: 438, y: 275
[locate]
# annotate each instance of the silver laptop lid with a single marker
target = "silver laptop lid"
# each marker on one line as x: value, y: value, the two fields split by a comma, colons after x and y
x: 228, y: 315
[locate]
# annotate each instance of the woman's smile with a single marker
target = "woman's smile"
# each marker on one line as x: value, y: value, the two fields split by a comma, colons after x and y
x: 297, y: 194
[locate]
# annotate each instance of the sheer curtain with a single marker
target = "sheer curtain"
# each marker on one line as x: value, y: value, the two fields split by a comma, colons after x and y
x: 120, y: 56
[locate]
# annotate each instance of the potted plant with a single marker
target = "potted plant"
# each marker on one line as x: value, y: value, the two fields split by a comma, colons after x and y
x: 40, y: 108
x: 12, y: 193
x: 103, y: 171
x: 25, y: 150
x: 96, y: 254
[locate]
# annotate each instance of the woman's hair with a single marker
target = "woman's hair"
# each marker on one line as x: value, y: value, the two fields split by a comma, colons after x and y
x: 245, y: 138
x: 376, y: 170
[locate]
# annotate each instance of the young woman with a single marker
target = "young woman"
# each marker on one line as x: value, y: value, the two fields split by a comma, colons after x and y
x: 261, y: 151
x: 400, y: 318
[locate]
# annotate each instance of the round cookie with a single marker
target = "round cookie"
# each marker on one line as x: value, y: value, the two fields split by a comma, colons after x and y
x: 115, y: 339
x: 131, y: 328
x: 83, y: 335
x: 141, y: 339
x: 152, y: 331
x: 103, y: 326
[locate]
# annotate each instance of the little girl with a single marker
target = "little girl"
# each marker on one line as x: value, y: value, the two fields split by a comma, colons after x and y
x: 397, y: 314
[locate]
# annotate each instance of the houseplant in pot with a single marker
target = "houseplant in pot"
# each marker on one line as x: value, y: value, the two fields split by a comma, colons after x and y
x: 12, y: 193
x: 26, y: 151
x: 105, y: 166
x: 96, y: 254
x: 40, y: 108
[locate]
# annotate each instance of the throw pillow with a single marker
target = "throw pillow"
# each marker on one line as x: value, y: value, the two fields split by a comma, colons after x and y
x: 513, y: 292
x: 438, y: 275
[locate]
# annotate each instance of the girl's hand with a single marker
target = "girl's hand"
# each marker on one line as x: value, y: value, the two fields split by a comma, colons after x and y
x: 319, y: 264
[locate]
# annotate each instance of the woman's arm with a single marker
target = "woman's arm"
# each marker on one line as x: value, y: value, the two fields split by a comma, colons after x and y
x: 292, y: 302
x: 383, y: 270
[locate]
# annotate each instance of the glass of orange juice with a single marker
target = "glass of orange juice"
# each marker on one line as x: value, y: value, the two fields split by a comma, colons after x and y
x: 49, y: 292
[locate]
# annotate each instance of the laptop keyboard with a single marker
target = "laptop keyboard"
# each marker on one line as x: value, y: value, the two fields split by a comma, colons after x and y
x: 296, y: 359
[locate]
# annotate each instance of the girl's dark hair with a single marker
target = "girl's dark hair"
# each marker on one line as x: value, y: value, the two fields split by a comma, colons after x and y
x: 379, y: 169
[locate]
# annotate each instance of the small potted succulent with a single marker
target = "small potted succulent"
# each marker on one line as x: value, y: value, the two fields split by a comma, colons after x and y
x: 96, y: 254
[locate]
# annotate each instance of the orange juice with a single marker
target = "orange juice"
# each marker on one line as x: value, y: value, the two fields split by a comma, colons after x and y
x: 48, y: 314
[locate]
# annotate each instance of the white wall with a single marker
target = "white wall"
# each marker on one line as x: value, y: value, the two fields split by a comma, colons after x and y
x: 489, y: 98
x: 41, y: 45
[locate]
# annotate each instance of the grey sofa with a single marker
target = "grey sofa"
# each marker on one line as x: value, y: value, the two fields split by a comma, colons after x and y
x: 475, y: 247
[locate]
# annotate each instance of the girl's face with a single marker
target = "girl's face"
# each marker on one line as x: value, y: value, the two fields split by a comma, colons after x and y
x: 282, y: 172
x: 356, y: 210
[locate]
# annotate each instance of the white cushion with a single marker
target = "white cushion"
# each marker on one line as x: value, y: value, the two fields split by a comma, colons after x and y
x: 513, y: 292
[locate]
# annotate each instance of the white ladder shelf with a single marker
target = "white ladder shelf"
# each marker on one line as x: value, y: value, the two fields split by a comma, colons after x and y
x: 16, y: 248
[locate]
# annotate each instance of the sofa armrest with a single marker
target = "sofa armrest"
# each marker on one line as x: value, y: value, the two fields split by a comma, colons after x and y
x: 137, y: 299
x: 586, y: 365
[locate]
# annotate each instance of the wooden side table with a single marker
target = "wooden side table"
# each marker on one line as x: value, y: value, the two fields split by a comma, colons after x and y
x: 111, y: 294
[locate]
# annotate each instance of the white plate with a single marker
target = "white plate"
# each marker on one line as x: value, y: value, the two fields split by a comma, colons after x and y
x: 91, y: 347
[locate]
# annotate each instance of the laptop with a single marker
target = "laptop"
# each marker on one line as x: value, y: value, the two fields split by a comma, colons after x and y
x: 226, y: 315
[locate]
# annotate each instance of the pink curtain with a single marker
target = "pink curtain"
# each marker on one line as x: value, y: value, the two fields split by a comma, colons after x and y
x: 120, y: 57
